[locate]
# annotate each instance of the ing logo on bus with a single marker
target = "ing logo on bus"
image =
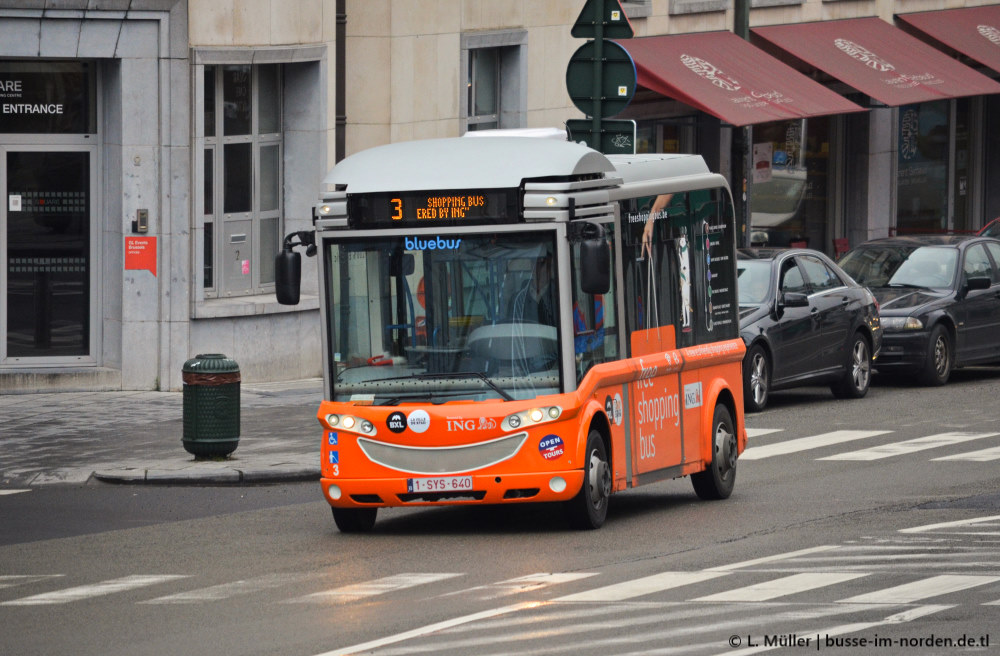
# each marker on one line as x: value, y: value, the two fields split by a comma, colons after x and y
x: 461, y: 424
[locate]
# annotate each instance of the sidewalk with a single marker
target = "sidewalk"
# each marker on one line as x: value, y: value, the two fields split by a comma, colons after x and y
x: 135, y: 438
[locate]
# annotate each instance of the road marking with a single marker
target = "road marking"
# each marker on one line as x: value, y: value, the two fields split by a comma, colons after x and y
x: 983, y: 455
x: 770, y: 559
x: 374, y: 588
x: 522, y: 584
x: 227, y: 590
x: 909, y: 446
x: 425, y: 630
x: 991, y: 520
x: 782, y: 587
x: 11, y: 580
x: 96, y: 590
x: 642, y: 586
x: 806, y: 443
x: 909, y: 593
x: 761, y: 432
x: 4, y: 492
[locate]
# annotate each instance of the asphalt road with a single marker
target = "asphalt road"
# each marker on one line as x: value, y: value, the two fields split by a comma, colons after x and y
x: 872, y: 520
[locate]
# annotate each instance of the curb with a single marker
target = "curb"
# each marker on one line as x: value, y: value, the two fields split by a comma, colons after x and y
x: 216, y: 476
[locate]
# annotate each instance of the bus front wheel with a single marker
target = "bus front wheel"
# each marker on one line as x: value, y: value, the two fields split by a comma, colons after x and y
x: 718, y: 480
x: 589, y: 508
x: 355, y: 520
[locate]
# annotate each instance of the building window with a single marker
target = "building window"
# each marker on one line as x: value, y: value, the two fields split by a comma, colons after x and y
x: 242, y: 178
x: 494, y: 68
x: 484, y: 89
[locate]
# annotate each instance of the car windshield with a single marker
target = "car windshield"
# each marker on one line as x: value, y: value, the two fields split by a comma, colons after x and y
x: 441, y: 318
x: 754, y: 281
x: 903, y: 266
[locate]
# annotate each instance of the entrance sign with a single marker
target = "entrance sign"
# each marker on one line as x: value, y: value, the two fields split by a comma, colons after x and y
x: 140, y: 254
x: 48, y: 97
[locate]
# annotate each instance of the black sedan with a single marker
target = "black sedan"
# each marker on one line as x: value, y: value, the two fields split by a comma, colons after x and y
x: 804, y: 322
x: 939, y: 298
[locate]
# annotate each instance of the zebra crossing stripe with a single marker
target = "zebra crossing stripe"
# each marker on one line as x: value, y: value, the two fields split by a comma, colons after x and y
x: 4, y: 492
x: 96, y: 590
x: 983, y: 455
x: 374, y: 588
x: 934, y: 586
x: 788, y: 555
x: 806, y: 443
x: 782, y: 587
x: 522, y: 584
x: 642, y: 586
x: 227, y: 590
x: 991, y: 520
x: 909, y: 446
x: 761, y: 432
x: 11, y: 580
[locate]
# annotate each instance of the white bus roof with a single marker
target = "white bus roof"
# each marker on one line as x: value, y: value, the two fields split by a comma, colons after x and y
x: 458, y: 163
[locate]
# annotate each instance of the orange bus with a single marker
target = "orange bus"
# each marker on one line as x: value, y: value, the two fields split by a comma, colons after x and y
x: 515, y: 319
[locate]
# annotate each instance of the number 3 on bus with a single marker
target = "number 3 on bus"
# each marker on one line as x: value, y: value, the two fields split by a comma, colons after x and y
x: 575, y: 333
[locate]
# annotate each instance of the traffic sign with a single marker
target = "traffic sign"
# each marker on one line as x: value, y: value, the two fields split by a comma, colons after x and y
x: 604, y: 72
x: 607, y: 15
x: 614, y: 137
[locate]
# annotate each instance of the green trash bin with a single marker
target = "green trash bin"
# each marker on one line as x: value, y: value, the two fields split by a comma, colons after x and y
x: 211, y: 405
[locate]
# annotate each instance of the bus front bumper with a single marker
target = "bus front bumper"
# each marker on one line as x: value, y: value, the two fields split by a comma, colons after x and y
x: 486, y: 489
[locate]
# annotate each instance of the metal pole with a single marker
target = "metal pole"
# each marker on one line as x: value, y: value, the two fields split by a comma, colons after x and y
x: 742, y: 146
x: 595, y: 119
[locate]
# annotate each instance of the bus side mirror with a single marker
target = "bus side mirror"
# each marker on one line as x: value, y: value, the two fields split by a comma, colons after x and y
x: 401, y: 264
x: 287, y: 277
x: 595, y: 274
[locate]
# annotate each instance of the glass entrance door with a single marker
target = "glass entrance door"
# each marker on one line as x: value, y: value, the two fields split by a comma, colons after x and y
x: 46, y: 250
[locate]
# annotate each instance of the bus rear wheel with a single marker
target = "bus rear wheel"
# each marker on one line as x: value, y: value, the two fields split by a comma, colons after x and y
x: 589, y: 508
x: 718, y: 480
x: 355, y: 520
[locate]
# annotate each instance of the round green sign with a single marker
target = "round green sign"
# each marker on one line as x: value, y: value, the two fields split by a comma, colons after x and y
x: 617, y: 78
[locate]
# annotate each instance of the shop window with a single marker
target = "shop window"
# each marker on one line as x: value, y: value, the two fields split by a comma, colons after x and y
x: 922, y: 167
x: 789, y: 181
x: 242, y: 178
x: 495, y: 74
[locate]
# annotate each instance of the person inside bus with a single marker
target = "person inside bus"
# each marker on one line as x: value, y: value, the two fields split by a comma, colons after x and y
x: 535, y: 301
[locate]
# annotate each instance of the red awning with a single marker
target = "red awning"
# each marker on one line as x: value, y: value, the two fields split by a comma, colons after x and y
x: 879, y: 60
x: 723, y: 75
x: 973, y: 31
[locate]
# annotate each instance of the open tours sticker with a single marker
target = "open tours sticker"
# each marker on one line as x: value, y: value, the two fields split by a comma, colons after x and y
x: 551, y: 447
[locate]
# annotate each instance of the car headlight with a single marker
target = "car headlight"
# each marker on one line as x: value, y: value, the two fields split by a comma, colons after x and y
x: 901, y: 323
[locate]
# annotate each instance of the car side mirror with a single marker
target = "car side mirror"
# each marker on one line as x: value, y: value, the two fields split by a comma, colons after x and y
x: 979, y: 282
x: 793, y: 299
x: 287, y: 277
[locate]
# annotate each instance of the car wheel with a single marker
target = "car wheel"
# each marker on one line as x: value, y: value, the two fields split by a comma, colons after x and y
x: 937, y: 367
x: 756, y: 379
x: 355, y: 520
x: 589, y: 508
x: 718, y: 480
x: 858, y: 375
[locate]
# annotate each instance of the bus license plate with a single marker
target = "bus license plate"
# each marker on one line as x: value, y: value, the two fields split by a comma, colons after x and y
x: 439, y: 484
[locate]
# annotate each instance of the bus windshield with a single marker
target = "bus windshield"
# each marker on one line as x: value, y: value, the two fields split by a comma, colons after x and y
x: 443, y: 317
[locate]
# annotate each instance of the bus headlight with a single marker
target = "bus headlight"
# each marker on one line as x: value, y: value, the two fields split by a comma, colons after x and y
x: 349, y: 423
x: 531, y: 417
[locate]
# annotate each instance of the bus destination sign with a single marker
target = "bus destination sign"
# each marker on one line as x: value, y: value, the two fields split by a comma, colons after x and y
x: 411, y: 208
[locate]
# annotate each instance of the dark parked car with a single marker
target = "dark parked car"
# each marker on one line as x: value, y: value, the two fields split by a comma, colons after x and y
x: 939, y: 297
x: 804, y: 322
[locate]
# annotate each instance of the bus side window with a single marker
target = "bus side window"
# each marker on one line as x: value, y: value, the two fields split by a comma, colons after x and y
x: 595, y: 333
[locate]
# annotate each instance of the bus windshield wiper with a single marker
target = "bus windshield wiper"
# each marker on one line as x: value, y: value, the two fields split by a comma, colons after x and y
x: 469, y: 374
